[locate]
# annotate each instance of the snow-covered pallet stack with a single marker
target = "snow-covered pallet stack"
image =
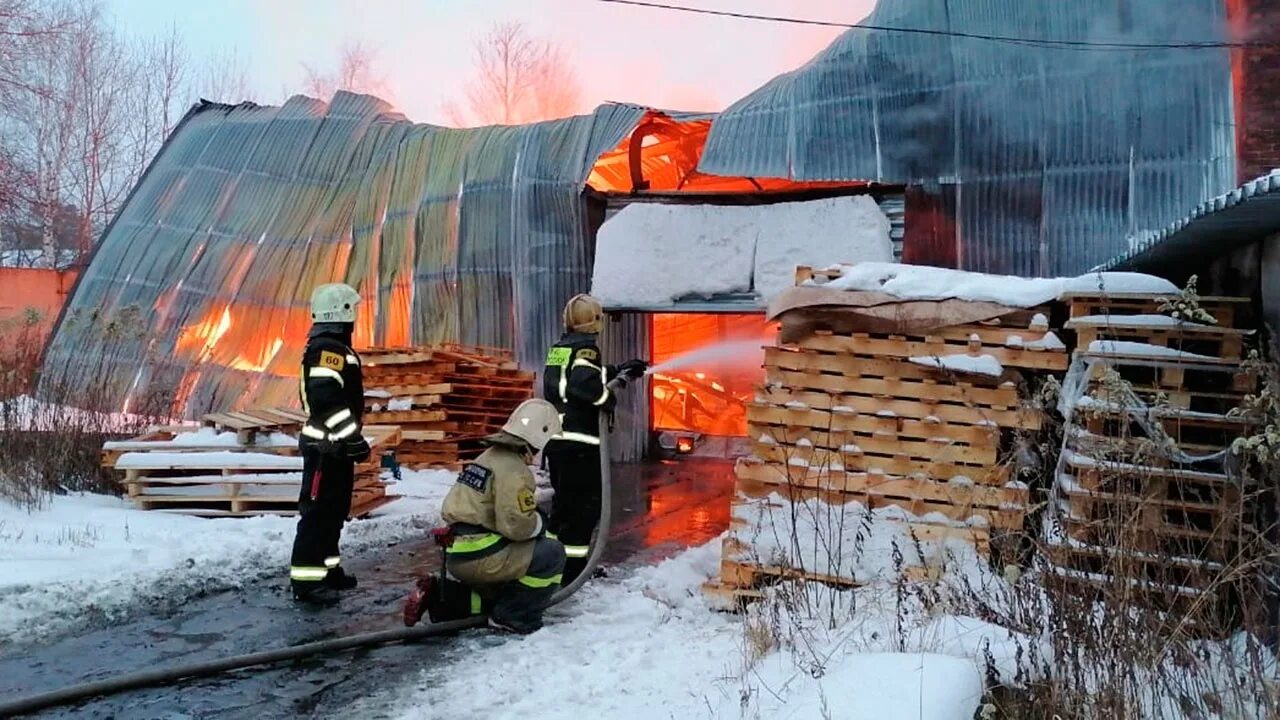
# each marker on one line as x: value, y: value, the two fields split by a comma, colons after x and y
x: 445, y: 398
x: 919, y: 423
x: 245, y: 471
x: 1142, y: 498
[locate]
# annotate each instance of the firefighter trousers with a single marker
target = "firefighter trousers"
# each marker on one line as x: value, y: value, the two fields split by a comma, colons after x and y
x: 575, y: 475
x: 323, y: 505
x: 517, y: 603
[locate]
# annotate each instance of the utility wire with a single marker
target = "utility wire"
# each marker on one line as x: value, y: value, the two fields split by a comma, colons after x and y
x: 1041, y: 42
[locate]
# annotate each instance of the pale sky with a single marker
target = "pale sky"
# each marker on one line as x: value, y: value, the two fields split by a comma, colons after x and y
x: 424, y: 47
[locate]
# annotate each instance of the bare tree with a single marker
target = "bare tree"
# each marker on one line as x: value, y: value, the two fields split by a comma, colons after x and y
x: 356, y: 72
x: 85, y: 115
x: 517, y: 79
x: 160, y: 90
x: 102, y: 76
x: 25, y: 27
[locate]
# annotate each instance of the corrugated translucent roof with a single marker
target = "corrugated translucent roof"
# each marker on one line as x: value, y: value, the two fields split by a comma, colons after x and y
x: 1215, y: 227
x: 472, y: 236
x: 1047, y: 157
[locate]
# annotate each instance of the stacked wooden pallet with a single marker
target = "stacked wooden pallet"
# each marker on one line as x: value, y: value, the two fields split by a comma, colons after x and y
x: 232, y: 467
x: 445, y: 398
x: 1143, y: 502
x: 919, y: 421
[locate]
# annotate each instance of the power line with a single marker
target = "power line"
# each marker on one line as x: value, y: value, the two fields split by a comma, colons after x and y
x: 1039, y: 42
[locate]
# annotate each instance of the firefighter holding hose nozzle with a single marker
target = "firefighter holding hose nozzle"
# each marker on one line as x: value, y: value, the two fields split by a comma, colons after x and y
x: 498, y: 557
x: 331, y: 443
x: 576, y: 380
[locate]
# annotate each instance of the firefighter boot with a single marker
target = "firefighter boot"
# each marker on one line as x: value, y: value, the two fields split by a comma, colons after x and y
x: 441, y: 600
x: 315, y: 594
x: 338, y: 579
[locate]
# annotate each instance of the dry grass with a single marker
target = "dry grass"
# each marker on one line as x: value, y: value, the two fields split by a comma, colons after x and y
x: 54, y: 445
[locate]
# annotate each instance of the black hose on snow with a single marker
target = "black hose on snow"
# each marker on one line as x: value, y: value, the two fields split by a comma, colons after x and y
x: 162, y: 676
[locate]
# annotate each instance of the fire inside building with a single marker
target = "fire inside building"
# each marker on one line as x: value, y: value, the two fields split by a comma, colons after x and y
x: 1030, y: 159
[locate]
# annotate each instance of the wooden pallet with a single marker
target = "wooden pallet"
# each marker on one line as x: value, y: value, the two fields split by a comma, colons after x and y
x: 1167, y: 607
x: 457, y: 395
x: 803, y: 457
x: 924, y: 409
x: 249, y: 423
x: 937, y: 343
x: 1172, y: 376
x: 233, y: 481
x: 1207, y: 340
x: 808, y: 419
x: 1228, y: 311
x: 1205, y: 431
x: 1001, y: 507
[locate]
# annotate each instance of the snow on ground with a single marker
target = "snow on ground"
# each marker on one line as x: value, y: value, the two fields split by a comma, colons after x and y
x: 654, y: 254
x: 87, y: 556
x: 976, y: 364
x: 916, y: 282
x: 647, y: 645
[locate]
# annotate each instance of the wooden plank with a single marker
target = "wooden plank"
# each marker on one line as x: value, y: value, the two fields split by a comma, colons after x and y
x: 870, y: 423
x: 1221, y: 348
x: 422, y: 435
x: 1086, y: 465
x: 888, y: 465
x: 903, y: 346
x: 441, y: 388
x: 402, y: 417
x: 1226, y: 310
x: 854, y: 366
x: 1008, y: 517
x: 1124, y: 322
x: 888, y: 485
x: 921, y: 409
x: 1003, y: 398
x: 943, y: 449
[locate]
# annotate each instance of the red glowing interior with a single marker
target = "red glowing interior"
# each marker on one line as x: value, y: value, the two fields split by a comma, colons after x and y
x: 706, y: 396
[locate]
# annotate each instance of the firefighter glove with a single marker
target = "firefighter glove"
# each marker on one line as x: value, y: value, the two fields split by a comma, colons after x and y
x: 357, y: 449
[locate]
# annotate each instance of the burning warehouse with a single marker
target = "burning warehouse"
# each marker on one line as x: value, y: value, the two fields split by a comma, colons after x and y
x: 957, y: 152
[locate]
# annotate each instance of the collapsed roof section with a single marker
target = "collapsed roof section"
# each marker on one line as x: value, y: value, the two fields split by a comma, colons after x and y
x: 1045, y: 155
x: 472, y: 236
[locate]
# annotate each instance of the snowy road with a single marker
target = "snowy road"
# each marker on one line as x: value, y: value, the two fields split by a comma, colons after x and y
x: 658, y: 510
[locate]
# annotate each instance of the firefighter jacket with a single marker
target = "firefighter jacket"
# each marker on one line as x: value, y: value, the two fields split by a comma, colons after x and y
x: 575, y: 380
x: 494, y: 515
x: 332, y: 389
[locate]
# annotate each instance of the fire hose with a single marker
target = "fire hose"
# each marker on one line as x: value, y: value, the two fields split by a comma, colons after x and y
x: 162, y: 676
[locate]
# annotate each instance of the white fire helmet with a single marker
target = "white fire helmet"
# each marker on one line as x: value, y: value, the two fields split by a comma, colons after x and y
x: 535, y: 422
x: 583, y: 314
x: 334, y: 303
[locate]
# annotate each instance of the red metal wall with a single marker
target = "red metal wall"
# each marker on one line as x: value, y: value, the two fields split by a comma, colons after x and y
x: 1256, y: 78
x: 41, y: 290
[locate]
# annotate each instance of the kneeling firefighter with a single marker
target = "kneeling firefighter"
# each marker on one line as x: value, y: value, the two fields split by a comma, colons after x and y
x: 578, y: 382
x: 498, y: 558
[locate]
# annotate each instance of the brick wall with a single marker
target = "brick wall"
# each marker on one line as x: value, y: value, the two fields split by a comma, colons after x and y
x: 1256, y: 76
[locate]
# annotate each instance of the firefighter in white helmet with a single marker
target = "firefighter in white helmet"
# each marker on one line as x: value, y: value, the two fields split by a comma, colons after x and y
x: 331, y: 443
x: 499, y: 555
x: 576, y: 380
